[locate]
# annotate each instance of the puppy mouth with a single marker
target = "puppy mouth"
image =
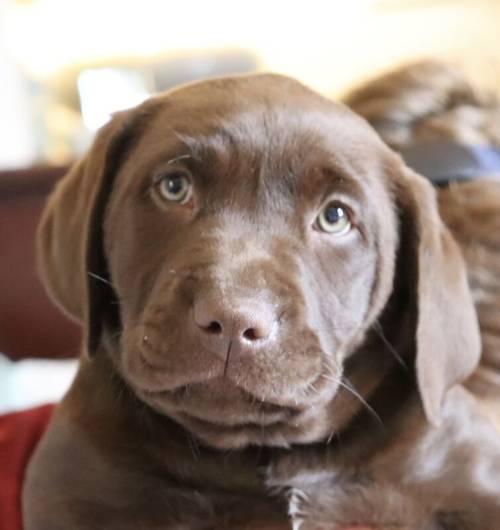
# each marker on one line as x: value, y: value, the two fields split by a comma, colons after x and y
x: 224, y: 413
x: 210, y: 403
x: 242, y: 410
x: 269, y: 398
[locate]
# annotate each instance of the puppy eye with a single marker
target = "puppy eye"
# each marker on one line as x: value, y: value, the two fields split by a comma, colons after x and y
x: 175, y: 187
x: 334, y: 219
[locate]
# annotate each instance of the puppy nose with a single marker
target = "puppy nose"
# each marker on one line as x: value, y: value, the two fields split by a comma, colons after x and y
x: 242, y: 323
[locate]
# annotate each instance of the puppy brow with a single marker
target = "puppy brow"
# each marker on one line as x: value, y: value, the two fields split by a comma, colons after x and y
x: 328, y: 181
x: 193, y: 145
x: 180, y: 157
x: 215, y: 142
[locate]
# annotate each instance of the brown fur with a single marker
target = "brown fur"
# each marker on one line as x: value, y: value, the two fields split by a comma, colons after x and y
x: 427, y: 101
x: 433, y: 101
x: 349, y: 412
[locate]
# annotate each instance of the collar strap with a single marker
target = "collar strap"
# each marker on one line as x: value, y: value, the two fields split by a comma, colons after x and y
x: 446, y: 162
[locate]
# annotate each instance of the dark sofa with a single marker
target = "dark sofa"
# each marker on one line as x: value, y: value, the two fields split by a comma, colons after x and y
x: 30, y: 324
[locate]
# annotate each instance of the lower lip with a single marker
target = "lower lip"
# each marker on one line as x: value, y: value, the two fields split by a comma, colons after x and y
x: 204, y: 424
x: 182, y: 391
x: 267, y: 409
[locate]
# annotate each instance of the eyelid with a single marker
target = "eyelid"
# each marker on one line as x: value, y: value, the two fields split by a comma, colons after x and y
x: 346, y: 202
x: 160, y: 175
x: 337, y: 195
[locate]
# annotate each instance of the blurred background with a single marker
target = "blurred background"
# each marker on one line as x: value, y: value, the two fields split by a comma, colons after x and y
x: 66, y: 65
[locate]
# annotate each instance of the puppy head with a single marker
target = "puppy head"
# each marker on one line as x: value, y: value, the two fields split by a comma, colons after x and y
x: 231, y: 244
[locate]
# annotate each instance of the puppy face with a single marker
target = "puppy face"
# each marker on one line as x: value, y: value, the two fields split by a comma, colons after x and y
x: 249, y: 233
x: 243, y: 248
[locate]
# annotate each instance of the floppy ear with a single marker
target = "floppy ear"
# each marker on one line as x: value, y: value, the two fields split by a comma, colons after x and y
x: 447, y: 333
x: 70, y: 249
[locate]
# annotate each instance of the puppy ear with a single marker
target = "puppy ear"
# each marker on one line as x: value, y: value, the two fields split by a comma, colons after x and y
x: 70, y: 249
x: 447, y: 333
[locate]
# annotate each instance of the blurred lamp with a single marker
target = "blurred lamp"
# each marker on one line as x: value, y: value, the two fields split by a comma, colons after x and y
x: 103, y: 91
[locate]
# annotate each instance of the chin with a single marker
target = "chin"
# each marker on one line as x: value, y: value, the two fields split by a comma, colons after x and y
x: 234, y: 419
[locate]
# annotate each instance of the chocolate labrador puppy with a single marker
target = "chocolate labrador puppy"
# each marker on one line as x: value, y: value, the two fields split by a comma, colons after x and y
x: 277, y: 326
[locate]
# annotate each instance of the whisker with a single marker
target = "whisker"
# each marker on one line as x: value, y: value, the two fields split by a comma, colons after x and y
x: 377, y: 327
x: 226, y: 364
x: 177, y: 158
x: 100, y: 278
x: 193, y: 445
x: 331, y: 436
x: 334, y: 374
x: 310, y: 386
x: 348, y: 386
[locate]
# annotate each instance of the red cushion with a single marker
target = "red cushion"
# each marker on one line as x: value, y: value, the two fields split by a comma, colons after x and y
x: 19, y: 434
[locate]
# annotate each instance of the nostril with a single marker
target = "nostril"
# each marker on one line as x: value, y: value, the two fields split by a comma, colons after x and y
x: 251, y: 334
x: 214, y: 328
x: 247, y: 322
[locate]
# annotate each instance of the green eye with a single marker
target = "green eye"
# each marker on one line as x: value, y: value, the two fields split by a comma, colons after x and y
x: 176, y: 187
x: 334, y: 220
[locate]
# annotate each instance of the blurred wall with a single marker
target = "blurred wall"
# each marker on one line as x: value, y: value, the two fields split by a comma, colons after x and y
x: 329, y: 45
x: 16, y: 129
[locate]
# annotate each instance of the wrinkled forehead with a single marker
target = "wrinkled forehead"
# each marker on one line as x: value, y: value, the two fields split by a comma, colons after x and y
x: 267, y: 126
